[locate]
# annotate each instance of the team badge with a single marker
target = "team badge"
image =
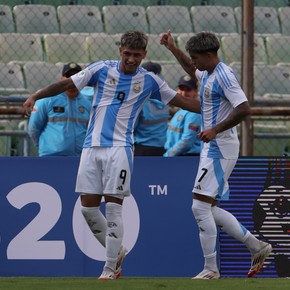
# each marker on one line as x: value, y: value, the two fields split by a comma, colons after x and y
x: 179, y: 118
x: 82, y: 109
x: 207, y: 92
x: 137, y: 88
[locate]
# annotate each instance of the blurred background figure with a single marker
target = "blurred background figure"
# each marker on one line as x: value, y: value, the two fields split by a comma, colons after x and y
x: 182, y: 133
x: 58, y: 124
x: 151, y: 126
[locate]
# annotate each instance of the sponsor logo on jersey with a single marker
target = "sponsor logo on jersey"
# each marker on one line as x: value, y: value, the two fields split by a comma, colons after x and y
x: 112, y: 82
x: 120, y: 188
x: 35, y: 109
x: 198, y: 187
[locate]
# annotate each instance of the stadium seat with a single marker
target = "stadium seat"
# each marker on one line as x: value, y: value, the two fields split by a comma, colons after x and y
x: 120, y: 18
x: 6, y: 19
x: 79, y: 18
x: 230, y: 3
x: 20, y: 47
x: 172, y: 73
x: 232, y: 49
x: 40, y: 74
x: 165, y: 17
x: 266, y: 20
x: 103, y: 47
x: 219, y: 19
x: 65, y: 48
x: 284, y: 15
x: 271, y: 80
x: 35, y: 19
x: 157, y: 52
x: 11, y: 79
x: 278, y: 48
x: 271, y: 3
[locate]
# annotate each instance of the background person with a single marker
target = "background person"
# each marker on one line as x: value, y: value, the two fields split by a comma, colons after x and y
x: 151, y: 125
x: 183, y: 129
x: 58, y: 125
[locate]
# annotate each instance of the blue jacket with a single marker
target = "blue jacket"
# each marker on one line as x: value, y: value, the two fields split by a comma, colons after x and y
x: 151, y: 126
x: 58, y: 125
x: 182, y: 134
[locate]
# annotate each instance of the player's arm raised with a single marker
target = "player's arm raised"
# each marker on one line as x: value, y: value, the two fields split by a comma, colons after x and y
x: 168, y: 41
x: 49, y: 91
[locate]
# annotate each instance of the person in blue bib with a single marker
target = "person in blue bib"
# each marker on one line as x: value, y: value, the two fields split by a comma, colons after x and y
x: 151, y: 125
x: 58, y: 125
x: 183, y: 129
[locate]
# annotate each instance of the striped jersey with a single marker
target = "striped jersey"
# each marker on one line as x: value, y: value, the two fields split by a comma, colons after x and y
x: 220, y: 93
x: 118, y: 99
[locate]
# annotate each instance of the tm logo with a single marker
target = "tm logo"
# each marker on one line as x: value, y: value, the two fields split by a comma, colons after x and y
x: 158, y: 189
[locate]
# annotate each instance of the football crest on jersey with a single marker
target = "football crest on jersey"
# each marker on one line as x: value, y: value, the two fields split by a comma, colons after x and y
x: 137, y: 88
x: 179, y: 118
x: 207, y: 92
x: 82, y: 109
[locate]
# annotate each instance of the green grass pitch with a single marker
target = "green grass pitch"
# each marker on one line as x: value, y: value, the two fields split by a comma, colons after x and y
x: 134, y: 283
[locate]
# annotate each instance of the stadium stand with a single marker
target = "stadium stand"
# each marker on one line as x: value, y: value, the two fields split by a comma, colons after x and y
x: 219, y: 19
x: 284, y: 16
x: 35, y: 19
x: 278, y: 48
x: 271, y: 80
x: 173, y: 18
x: 11, y: 79
x: 20, y: 47
x: 232, y: 49
x: 103, y: 46
x: 172, y: 73
x: 271, y: 3
x: 6, y: 19
x: 79, y: 18
x: 40, y: 74
x: 118, y: 19
x: 65, y: 48
x: 266, y: 20
x: 158, y: 53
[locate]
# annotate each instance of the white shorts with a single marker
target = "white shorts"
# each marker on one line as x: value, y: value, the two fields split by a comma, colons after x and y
x: 105, y: 171
x: 212, y: 177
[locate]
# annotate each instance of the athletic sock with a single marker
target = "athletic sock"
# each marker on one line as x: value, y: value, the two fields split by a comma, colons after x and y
x: 96, y: 222
x: 235, y: 229
x: 207, y: 232
x: 115, y: 232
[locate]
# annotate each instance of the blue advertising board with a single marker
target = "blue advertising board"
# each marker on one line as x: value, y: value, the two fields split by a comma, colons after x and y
x: 42, y: 232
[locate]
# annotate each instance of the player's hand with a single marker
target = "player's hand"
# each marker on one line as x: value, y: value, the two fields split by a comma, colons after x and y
x: 207, y: 135
x: 167, y: 40
x: 28, y: 106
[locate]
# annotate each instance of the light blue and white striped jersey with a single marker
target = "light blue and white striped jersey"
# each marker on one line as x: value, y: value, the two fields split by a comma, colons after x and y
x: 118, y: 99
x: 220, y: 93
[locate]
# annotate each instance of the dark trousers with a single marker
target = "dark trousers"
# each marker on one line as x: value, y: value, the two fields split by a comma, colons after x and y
x: 141, y: 150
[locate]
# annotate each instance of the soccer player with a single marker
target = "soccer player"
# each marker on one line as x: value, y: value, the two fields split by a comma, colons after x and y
x: 223, y: 106
x: 121, y: 89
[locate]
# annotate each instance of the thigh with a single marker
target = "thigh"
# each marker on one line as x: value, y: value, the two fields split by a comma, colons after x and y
x: 89, y: 177
x: 212, y: 177
x: 117, y: 171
